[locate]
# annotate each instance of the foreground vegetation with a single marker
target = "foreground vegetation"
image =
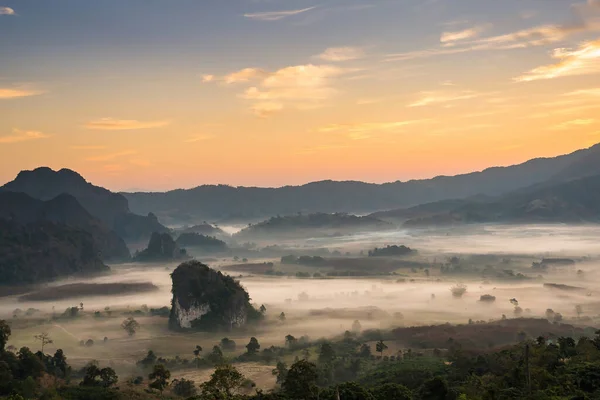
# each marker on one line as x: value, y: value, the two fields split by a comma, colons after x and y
x: 357, y: 365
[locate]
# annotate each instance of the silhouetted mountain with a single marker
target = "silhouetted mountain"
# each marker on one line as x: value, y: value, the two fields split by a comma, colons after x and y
x: 207, y: 244
x: 64, y: 209
x: 204, y: 229
x: 318, y: 224
x: 43, y: 251
x: 111, y: 208
x: 243, y: 203
x: 575, y: 201
x: 161, y: 247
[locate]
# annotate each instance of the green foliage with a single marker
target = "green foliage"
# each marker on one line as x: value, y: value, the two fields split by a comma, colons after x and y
x: 94, y: 376
x: 391, y: 391
x: 301, y: 381
x: 224, y: 383
x: 183, y: 387
x: 4, y: 334
x: 390, y: 251
x: 130, y: 326
x: 253, y: 346
x: 159, y: 377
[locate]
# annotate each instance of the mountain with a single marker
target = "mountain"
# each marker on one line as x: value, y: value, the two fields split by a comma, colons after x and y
x: 221, y: 202
x: 42, y: 251
x: 111, y: 208
x: 64, y: 209
x: 575, y: 201
x: 318, y: 224
x: 161, y: 247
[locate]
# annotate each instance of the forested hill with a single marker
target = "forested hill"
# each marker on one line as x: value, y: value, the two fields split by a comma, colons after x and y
x: 221, y: 202
x: 111, y: 208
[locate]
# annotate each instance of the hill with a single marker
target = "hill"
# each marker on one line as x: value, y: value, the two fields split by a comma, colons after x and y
x: 43, y: 251
x: 221, y: 202
x: 111, y: 208
x: 207, y: 244
x: 65, y: 210
x: 576, y: 201
x: 161, y: 247
x: 319, y: 224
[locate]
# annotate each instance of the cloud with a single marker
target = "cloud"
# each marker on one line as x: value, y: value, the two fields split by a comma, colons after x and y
x: 586, y: 20
x: 276, y: 15
x: 582, y: 61
x: 302, y: 87
x: 338, y: 54
x: 85, y: 147
x: 23, y: 136
x: 7, y: 11
x: 112, y: 156
x: 207, y: 78
x: 429, y: 98
x: 244, y: 75
x: 113, y: 168
x: 585, y: 92
x: 110, y: 124
x: 8, y: 93
x: 266, y: 109
x: 573, y: 124
x: 359, y: 130
x: 448, y: 37
x: 198, y: 138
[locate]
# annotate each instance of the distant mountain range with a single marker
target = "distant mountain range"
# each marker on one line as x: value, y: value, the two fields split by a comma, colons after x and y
x: 226, y: 203
x: 111, y: 208
x: 575, y: 201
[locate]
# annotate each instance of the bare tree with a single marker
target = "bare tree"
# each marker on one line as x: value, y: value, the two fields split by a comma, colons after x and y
x: 44, y: 338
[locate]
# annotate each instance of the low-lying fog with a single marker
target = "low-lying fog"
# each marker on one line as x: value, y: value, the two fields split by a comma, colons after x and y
x: 327, y: 307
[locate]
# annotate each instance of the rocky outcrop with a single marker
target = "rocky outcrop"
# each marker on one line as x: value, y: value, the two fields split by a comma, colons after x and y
x: 161, y: 247
x: 205, y: 299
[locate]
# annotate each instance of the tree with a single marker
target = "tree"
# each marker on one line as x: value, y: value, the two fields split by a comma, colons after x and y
x: 578, y: 310
x: 228, y: 344
x: 29, y: 364
x: 356, y: 326
x: 253, y: 346
x: 290, y: 341
x: 216, y: 356
x: 130, y: 325
x: 197, y: 352
x: 94, y: 376
x: 44, y: 338
x: 263, y: 309
x: 183, y: 387
x: 160, y: 377
x: 391, y: 391
x: 225, y: 382
x: 434, y: 389
x: 282, y: 316
x: 59, y: 362
x: 326, y: 354
x: 280, y: 371
x: 4, y: 334
x: 365, y: 351
x: 301, y: 380
x: 380, y: 347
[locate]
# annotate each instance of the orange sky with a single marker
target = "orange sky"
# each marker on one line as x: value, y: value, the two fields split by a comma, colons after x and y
x: 464, y: 95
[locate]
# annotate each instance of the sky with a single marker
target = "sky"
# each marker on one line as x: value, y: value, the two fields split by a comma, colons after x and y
x: 157, y: 95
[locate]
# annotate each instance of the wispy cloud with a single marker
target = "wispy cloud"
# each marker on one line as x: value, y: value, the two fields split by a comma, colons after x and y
x: 112, y: 156
x: 536, y: 36
x: 584, y: 60
x: 361, y: 130
x: 585, y: 92
x: 7, y: 11
x: 276, y: 15
x: 198, y: 138
x: 110, y: 124
x: 86, y: 147
x: 338, y: 54
x: 13, y: 93
x: 574, y: 124
x: 245, y: 75
x: 23, y: 136
x: 207, y: 78
x: 456, y: 36
x: 429, y: 98
x: 302, y: 87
